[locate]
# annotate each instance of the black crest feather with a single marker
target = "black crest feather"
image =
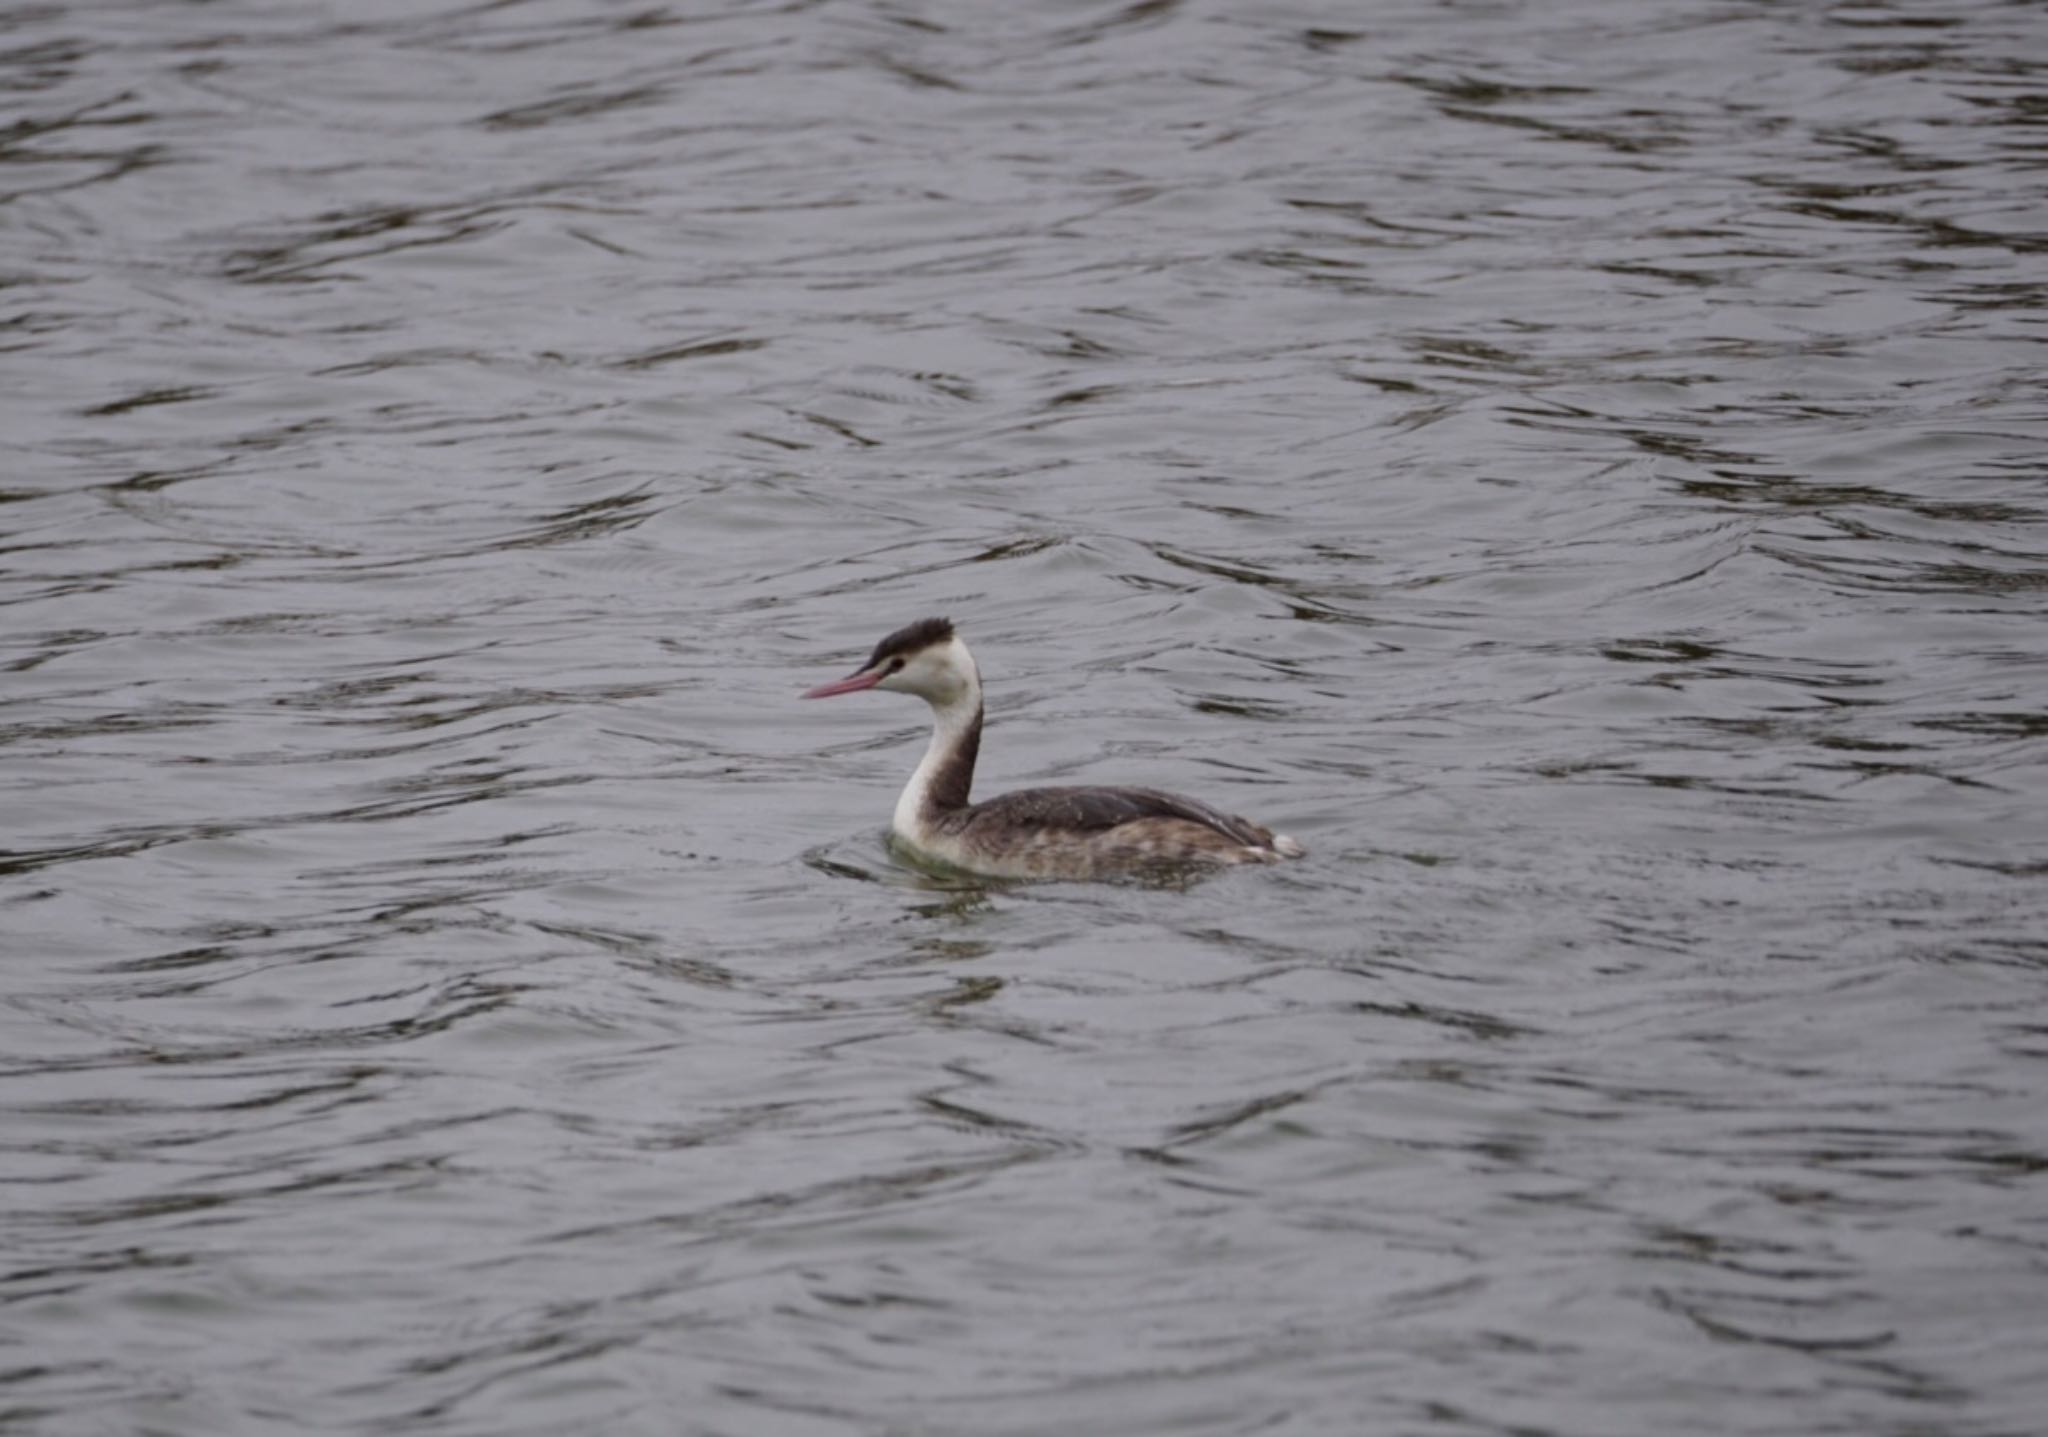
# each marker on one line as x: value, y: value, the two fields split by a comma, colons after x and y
x: 910, y: 638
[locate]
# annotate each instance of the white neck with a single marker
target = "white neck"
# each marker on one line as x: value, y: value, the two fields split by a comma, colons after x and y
x: 945, y: 772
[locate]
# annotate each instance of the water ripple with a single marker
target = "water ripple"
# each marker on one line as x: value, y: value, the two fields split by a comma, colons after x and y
x: 1577, y: 468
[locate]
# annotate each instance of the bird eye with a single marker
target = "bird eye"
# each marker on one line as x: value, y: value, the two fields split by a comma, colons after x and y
x: 895, y: 665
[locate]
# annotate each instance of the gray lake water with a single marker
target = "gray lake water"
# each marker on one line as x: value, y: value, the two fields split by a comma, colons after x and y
x: 1578, y: 466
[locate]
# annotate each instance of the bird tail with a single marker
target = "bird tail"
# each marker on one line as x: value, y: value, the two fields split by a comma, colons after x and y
x: 1287, y: 847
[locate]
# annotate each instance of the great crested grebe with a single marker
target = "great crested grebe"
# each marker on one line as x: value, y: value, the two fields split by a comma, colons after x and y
x: 1036, y: 832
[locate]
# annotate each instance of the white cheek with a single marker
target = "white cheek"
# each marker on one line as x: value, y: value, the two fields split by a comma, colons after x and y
x: 910, y: 679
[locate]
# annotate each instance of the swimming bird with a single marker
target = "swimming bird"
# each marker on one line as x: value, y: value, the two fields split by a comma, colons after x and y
x: 1036, y: 832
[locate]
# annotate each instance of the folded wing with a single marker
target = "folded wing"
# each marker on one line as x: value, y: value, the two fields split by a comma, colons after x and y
x: 1086, y: 811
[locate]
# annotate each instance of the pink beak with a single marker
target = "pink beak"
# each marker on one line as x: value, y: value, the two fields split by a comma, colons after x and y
x: 865, y: 679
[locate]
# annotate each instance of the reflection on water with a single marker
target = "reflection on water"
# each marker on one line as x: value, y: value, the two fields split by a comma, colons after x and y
x: 1575, y: 466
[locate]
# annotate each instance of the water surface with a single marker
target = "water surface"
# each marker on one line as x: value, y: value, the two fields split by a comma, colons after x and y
x: 1577, y: 466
